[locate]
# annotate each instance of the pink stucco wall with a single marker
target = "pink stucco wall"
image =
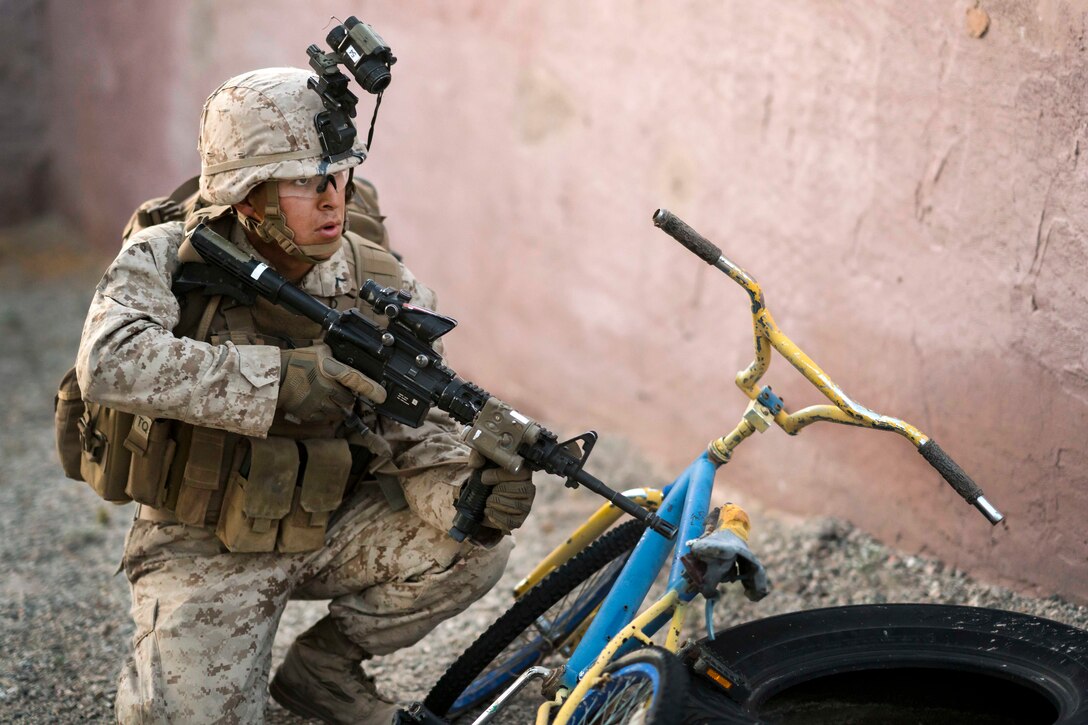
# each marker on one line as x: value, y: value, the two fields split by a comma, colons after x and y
x: 909, y: 195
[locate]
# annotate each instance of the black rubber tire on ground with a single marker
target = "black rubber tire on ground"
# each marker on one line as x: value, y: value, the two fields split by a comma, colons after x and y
x: 900, y: 663
x: 651, y: 683
x: 615, y: 544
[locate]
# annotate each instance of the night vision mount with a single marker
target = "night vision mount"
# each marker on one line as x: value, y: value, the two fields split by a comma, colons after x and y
x: 358, y: 48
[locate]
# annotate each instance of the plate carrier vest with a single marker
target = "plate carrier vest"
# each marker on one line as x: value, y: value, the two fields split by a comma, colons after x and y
x: 271, y: 494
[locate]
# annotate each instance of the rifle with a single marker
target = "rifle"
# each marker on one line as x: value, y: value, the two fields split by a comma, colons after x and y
x: 402, y: 358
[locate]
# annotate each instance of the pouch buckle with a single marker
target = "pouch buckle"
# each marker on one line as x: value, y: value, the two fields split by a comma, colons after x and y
x: 91, y: 440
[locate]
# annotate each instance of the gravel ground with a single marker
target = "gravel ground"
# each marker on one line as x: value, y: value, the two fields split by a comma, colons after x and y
x: 64, y: 624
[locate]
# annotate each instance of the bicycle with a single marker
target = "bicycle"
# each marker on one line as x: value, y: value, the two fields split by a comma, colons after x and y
x: 581, y: 601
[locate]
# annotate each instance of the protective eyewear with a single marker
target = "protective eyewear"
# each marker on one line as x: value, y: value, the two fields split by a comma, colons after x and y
x: 313, y: 186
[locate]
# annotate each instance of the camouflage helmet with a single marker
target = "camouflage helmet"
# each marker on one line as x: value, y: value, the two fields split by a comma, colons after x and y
x: 260, y: 126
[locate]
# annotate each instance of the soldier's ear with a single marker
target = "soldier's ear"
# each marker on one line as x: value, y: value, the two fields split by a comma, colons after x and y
x: 246, y: 209
x: 253, y: 205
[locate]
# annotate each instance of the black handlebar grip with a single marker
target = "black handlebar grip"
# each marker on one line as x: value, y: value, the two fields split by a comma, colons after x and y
x: 681, y: 232
x: 470, y: 507
x: 958, y: 479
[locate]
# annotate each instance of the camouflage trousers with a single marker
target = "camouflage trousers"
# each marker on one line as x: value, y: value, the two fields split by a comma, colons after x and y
x: 206, y: 618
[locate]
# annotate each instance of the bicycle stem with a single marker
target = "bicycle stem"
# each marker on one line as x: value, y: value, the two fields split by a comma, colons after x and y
x: 844, y: 410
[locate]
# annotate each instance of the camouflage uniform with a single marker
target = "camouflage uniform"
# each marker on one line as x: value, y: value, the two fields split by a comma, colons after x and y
x: 205, y: 617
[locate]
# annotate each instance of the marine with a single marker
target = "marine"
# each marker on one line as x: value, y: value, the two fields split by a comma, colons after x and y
x: 228, y: 424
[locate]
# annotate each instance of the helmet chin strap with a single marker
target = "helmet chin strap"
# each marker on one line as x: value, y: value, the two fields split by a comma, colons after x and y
x: 274, y: 230
x: 348, y: 194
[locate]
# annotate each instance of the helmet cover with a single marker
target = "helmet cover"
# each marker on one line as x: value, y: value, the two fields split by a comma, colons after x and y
x: 259, y: 126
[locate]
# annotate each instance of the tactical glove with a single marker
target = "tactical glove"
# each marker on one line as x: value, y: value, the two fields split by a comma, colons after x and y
x: 728, y: 559
x: 315, y: 387
x: 511, y: 496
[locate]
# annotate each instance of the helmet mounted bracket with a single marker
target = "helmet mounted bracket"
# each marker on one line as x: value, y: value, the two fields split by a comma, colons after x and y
x: 362, y: 51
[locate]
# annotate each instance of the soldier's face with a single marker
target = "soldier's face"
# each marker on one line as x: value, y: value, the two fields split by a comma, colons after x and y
x: 316, y: 217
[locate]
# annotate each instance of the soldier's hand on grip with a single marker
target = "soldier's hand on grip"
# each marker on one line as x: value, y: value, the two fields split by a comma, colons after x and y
x: 511, y: 496
x: 316, y: 387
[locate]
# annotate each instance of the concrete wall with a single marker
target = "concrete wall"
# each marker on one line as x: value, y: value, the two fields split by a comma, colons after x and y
x: 906, y: 187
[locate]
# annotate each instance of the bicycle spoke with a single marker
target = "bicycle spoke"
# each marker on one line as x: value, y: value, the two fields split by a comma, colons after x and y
x: 621, y: 700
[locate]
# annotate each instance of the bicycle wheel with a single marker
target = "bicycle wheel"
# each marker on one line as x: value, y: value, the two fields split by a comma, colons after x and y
x: 900, y: 663
x: 647, y: 687
x: 536, y: 625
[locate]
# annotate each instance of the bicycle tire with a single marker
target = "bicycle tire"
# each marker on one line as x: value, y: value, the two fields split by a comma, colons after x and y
x: 473, y: 677
x: 893, y: 663
x: 648, y: 686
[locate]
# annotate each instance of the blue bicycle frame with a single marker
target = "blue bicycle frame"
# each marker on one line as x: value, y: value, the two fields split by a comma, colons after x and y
x: 686, y: 503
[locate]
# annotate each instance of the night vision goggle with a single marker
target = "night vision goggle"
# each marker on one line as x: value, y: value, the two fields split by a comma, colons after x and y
x: 362, y: 51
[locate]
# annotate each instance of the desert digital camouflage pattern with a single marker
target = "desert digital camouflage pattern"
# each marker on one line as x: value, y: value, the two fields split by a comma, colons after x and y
x: 206, y: 618
x: 273, y: 137
x: 129, y: 359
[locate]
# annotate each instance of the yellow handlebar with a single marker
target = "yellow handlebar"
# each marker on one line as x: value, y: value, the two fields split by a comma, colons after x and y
x: 843, y: 409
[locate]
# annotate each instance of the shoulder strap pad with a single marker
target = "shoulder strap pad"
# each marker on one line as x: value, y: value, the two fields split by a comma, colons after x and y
x: 370, y: 260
